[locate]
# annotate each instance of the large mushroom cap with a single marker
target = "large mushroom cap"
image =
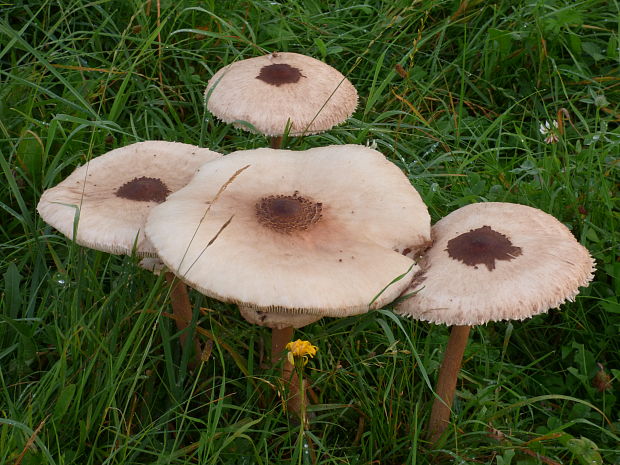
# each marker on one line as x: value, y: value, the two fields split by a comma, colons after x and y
x: 272, y: 91
x: 496, y: 261
x: 109, y: 198
x: 320, y: 231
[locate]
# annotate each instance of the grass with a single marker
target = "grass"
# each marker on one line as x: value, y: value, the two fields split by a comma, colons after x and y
x: 453, y: 92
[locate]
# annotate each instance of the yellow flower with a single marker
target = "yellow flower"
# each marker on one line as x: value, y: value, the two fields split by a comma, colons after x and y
x: 300, y: 350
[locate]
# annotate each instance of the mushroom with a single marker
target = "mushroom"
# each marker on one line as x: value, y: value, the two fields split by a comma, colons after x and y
x: 324, y: 232
x: 281, y: 91
x: 319, y: 231
x: 482, y: 256
x: 104, y: 204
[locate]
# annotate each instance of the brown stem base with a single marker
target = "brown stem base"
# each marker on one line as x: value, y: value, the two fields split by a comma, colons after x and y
x: 446, y: 383
x: 275, y: 142
x: 182, y: 311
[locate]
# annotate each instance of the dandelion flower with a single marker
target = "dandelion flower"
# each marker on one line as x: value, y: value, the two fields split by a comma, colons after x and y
x: 300, y: 350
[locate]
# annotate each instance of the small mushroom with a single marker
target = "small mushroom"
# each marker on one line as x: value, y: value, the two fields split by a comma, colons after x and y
x: 104, y: 204
x: 491, y: 262
x: 281, y: 91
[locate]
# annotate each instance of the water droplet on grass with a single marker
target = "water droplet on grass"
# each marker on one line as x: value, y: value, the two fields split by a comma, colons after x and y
x: 60, y: 280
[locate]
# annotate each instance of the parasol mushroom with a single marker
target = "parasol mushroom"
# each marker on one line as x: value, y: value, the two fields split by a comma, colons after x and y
x: 104, y: 204
x: 281, y: 91
x: 490, y: 262
x: 319, y: 232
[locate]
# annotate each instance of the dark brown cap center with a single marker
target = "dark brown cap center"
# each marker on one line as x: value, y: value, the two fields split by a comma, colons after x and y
x: 288, y: 213
x: 482, y: 246
x: 278, y: 74
x: 144, y: 190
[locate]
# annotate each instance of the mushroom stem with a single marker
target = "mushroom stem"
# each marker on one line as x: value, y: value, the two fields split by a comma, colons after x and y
x: 279, y: 339
x: 446, y: 382
x: 275, y: 142
x: 182, y: 311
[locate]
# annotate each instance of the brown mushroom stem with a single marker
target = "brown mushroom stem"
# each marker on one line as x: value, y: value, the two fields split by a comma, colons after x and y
x: 275, y: 142
x: 446, y: 383
x: 279, y: 339
x: 182, y: 311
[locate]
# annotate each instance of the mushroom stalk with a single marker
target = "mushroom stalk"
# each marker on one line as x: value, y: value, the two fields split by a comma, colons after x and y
x: 279, y: 339
x: 446, y: 382
x: 182, y: 311
x: 275, y: 142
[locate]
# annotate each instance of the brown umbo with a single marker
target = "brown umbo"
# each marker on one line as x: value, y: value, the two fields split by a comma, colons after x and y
x: 279, y: 74
x: 144, y: 189
x: 482, y: 246
x: 531, y: 262
x: 288, y: 213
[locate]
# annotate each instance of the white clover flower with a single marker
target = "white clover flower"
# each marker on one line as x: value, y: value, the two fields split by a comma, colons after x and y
x: 551, y: 131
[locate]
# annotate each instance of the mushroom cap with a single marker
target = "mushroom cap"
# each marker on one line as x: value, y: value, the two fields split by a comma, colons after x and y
x: 110, y: 197
x: 320, y: 231
x: 496, y: 261
x: 272, y: 91
x: 277, y: 320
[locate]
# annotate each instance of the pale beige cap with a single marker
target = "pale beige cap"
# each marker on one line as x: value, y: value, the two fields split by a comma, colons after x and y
x: 320, y: 231
x: 496, y: 261
x: 277, y: 320
x: 109, y: 198
x: 272, y: 91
